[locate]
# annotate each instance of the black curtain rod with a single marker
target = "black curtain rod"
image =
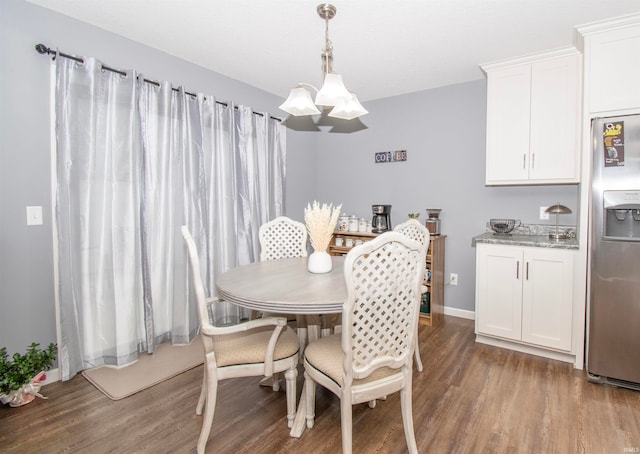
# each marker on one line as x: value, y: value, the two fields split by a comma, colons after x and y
x: 42, y: 49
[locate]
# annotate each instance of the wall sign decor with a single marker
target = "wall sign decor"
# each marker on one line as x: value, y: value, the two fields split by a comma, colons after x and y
x: 391, y: 156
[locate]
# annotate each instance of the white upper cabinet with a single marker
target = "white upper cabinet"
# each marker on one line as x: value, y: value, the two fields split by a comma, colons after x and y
x: 508, y: 124
x: 533, y: 119
x: 612, y: 64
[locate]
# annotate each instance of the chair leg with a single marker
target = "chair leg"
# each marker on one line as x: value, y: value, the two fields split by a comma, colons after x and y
x: 313, y: 333
x: 276, y: 382
x: 310, y: 396
x: 302, y: 340
x: 407, y: 418
x: 290, y: 377
x: 346, y: 423
x: 418, y: 360
x: 337, y: 326
x: 210, y: 408
x: 203, y: 393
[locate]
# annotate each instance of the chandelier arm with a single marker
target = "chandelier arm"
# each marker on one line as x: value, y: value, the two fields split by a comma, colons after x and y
x: 306, y: 85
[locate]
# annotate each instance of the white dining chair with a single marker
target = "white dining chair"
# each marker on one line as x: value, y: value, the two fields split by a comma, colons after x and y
x: 418, y: 232
x: 373, y: 355
x: 283, y: 238
x: 255, y: 348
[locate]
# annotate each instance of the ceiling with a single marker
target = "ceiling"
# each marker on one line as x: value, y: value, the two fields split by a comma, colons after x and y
x: 381, y: 47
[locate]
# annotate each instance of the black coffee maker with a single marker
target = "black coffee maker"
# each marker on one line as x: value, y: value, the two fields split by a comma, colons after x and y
x: 381, y: 221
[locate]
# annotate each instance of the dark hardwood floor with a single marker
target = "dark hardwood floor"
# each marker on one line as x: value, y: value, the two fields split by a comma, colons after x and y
x: 471, y: 398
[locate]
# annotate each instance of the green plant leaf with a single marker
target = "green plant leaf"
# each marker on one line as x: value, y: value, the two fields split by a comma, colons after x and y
x: 20, y: 369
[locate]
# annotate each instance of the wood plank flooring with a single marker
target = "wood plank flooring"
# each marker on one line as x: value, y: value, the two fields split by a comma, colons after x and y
x: 471, y: 398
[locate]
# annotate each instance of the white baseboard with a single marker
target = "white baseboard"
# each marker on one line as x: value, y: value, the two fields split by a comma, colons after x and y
x: 530, y: 349
x: 461, y: 313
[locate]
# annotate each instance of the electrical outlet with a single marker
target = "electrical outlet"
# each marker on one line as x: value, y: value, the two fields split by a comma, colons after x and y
x: 34, y: 215
x: 453, y: 279
x: 543, y: 216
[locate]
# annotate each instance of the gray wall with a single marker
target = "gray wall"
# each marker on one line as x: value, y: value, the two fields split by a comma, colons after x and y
x: 443, y: 131
x: 26, y: 265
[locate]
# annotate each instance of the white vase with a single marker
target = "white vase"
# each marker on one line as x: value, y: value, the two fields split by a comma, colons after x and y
x: 319, y: 262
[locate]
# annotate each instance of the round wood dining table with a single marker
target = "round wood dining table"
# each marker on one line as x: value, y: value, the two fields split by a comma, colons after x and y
x: 286, y: 286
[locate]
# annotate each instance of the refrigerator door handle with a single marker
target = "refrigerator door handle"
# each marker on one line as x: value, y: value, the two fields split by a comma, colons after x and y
x: 518, y: 269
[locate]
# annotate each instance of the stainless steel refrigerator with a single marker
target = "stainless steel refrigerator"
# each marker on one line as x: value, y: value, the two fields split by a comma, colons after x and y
x: 613, y: 350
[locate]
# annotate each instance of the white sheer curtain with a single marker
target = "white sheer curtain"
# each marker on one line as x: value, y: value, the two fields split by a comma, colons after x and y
x: 134, y: 162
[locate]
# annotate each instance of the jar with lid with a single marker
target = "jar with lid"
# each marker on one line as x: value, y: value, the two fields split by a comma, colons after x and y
x: 353, y: 223
x: 362, y: 225
x: 343, y: 223
x: 433, y: 223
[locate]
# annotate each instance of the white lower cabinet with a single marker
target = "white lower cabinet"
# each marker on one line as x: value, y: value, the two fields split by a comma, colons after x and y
x: 525, y: 295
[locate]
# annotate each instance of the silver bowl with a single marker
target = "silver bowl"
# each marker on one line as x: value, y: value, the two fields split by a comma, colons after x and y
x: 503, y: 226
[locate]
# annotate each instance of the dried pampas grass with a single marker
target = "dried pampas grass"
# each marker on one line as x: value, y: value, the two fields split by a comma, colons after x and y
x: 321, y: 222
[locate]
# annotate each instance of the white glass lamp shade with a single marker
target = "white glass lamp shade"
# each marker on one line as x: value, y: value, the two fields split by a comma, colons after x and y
x: 299, y: 103
x: 333, y: 91
x: 349, y: 110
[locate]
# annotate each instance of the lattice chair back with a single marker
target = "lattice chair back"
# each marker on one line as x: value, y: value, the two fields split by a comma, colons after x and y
x: 416, y: 231
x: 282, y: 238
x: 380, y: 317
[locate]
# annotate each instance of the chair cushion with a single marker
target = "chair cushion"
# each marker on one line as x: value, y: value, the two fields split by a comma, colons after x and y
x: 325, y: 355
x: 249, y: 347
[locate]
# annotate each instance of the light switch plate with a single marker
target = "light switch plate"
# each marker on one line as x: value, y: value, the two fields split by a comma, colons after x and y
x: 34, y: 215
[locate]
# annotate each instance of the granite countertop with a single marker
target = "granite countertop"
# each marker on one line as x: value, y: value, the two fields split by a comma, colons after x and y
x: 531, y: 236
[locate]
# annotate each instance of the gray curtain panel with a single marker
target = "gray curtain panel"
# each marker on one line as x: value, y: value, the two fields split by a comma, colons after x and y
x: 134, y: 162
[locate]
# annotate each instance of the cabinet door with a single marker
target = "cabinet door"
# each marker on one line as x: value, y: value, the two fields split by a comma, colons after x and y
x: 555, y: 113
x: 613, y: 69
x: 547, y: 301
x: 508, y: 118
x: 499, y: 291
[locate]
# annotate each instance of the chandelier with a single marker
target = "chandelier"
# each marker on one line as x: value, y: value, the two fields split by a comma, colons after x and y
x: 333, y: 92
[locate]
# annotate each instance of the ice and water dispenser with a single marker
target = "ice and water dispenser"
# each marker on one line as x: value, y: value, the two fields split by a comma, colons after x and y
x: 622, y: 215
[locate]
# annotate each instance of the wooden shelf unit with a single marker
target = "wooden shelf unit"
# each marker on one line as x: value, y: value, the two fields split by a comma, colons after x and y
x: 343, y: 250
x: 434, y: 262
